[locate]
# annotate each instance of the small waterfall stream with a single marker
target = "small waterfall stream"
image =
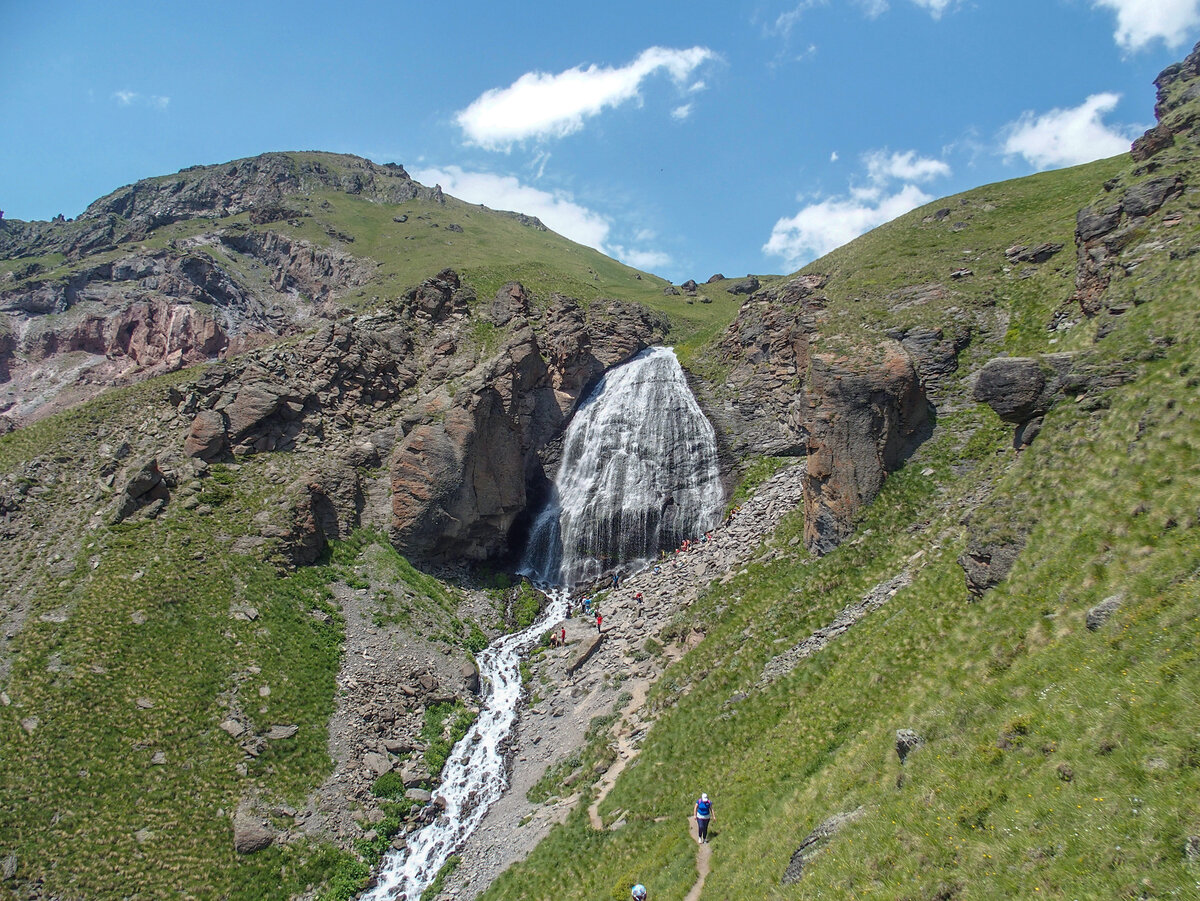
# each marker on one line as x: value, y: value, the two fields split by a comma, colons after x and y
x: 639, y: 472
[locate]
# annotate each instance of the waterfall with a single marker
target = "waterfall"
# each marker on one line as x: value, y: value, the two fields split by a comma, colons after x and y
x: 638, y: 473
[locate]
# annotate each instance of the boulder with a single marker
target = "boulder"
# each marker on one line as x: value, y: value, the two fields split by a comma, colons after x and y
x: 206, y: 436
x: 251, y: 833
x: 986, y: 563
x: 907, y: 741
x: 377, y: 763
x: 747, y: 285
x: 1102, y: 612
x: 1021, y: 389
x: 864, y: 413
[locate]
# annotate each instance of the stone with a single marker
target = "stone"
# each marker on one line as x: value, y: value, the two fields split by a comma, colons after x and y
x: 1020, y: 389
x: 250, y: 832
x: 1040, y: 253
x: 747, y: 285
x: 159, y: 758
x: 377, y: 763
x: 1191, y: 850
x: 1146, y: 197
x: 814, y: 842
x: 233, y: 728
x: 907, y: 741
x: 206, y: 437
x: 986, y: 563
x: 718, y: 277
x: 420, y: 795
x: 279, y: 733
x: 1102, y: 612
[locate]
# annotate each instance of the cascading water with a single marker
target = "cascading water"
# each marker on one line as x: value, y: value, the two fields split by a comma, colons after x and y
x: 639, y: 472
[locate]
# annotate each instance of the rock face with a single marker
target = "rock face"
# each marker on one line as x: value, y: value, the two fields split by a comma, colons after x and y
x: 1172, y: 109
x: 864, y: 412
x: 137, y: 312
x: 461, y: 479
x: 767, y: 349
x: 461, y: 430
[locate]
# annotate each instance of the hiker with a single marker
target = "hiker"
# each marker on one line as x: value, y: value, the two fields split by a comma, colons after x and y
x: 616, y: 580
x: 599, y: 620
x: 640, y: 602
x: 587, y: 606
x: 703, y: 814
x: 639, y: 892
x: 562, y: 639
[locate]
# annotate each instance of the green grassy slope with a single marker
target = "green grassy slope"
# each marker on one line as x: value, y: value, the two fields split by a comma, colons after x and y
x: 1059, y: 762
x: 133, y: 651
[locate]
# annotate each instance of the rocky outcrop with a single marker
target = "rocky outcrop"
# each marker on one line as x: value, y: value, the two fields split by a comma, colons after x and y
x: 766, y: 350
x: 1174, y: 108
x: 461, y: 479
x: 1102, y: 232
x: 1021, y: 390
x: 988, y: 560
x: 863, y: 414
x: 257, y: 183
x: 815, y: 842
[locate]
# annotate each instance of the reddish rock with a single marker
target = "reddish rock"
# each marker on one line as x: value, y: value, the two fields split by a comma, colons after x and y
x: 863, y: 413
x: 206, y: 437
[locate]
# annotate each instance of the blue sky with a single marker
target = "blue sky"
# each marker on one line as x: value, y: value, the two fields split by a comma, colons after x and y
x: 734, y: 136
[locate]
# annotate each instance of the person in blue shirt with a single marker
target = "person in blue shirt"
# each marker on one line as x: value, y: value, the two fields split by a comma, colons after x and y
x: 704, y: 810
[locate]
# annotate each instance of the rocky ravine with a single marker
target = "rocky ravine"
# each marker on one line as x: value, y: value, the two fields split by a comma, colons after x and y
x: 586, y: 678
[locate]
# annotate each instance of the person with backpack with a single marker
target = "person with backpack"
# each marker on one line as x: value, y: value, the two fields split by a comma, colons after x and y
x: 704, y: 810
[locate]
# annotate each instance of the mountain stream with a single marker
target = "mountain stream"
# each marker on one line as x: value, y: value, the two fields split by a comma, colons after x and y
x: 639, y: 472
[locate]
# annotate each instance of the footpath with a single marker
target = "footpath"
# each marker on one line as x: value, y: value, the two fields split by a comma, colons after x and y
x: 572, y: 685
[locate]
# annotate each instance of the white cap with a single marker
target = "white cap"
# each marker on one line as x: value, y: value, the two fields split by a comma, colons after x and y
x: 703, y: 797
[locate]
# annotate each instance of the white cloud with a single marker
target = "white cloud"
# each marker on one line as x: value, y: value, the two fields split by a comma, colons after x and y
x: 935, y: 7
x: 821, y: 227
x: 904, y: 166
x: 833, y: 157
x: 873, y: 9
x: 541, y: 105
x: 1067, y: 137
x: 681, y: 112
x: 558, y: 211
x: 642, y: 259
x: 129, y: 98
x: 1141, y: 22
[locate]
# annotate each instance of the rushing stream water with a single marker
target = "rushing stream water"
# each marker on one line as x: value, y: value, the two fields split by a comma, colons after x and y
x: 638, y: 473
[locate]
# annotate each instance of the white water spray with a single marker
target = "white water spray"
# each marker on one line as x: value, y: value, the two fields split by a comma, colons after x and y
x: 639, y: 472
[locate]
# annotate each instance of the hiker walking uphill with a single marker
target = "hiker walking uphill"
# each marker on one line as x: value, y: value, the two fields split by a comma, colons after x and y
x: 703, y: 814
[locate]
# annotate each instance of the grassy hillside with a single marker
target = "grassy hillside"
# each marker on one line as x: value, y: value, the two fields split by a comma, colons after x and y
x: 1058, y: 761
